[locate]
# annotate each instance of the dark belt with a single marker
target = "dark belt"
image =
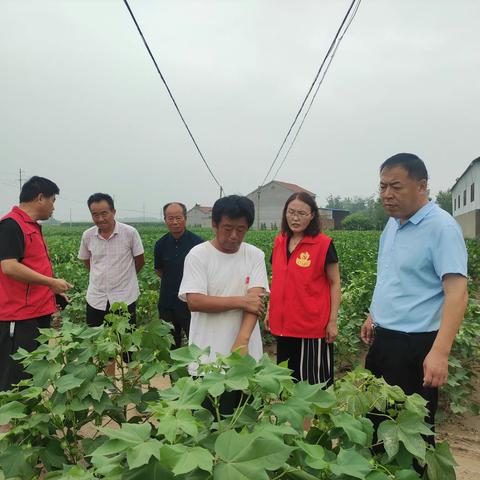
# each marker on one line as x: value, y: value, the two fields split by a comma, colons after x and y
x: 386, y: 331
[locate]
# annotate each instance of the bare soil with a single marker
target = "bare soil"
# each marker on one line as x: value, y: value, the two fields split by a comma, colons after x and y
x: 463, y: 435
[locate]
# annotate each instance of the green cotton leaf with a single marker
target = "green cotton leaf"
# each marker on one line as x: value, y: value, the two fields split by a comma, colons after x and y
x: 185, y: 355
x: 214, y: 383
x: 377, y: 476
x: 68, y: 382
x: 388, y: 434
x: 416, y: 404
x: 129, y: 432
x: 16, y: 463
x: 181, y: 459
x: 322, y: 399
x: 187, y: 423
x: 97, y: 387
x: 406, y: 475
x: 10, y: 411
x: 410, y: 422
x: 350, y: 462
x: 269, y: 430
x: 293, y: 411
x: 153, y: 471
x: 140, y: 454
x: 315, y: 455
x: 42, y: 371
x: 168, y: 427
x: 112, y: 446
x: 71, y: 473
x: 441, y: 464
x: 300, y: 475
x: 191, y: 395
x: 271, y: 377
x: 196, y: 457
x: 109, y: 466
x: 414, y: 443
x: 351, y: 426
x: 244, y: 456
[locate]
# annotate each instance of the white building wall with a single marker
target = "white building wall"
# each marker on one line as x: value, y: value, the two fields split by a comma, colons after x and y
x: 269, y: 204
x: 196, y: 217
x: 472, y: 176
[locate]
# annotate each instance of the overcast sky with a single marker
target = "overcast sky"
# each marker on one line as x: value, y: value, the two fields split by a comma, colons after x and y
x: 81, y: 103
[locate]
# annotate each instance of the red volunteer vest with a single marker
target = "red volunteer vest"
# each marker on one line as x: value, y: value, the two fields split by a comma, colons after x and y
x: 300, y: 291
x: 23, y: 301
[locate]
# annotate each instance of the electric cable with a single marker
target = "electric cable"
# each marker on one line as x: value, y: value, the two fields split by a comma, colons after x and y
x: 171, y: 95
x: 332, y: 45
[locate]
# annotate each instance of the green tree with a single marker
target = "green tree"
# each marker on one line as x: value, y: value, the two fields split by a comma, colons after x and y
x: 358, y: 221
x: 444, y: 200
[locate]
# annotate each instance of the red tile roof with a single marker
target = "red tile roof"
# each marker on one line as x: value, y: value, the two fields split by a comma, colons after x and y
x: 294, y: 188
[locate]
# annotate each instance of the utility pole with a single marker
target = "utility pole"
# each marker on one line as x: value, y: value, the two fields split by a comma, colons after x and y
x: 20, y: 178
x: 258, y: 208
x: 221, y: 192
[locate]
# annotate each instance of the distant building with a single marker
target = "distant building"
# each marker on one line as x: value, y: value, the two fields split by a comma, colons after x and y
x: 199, y: 216
x: 269, y: 201
x: 331, y: 218
x: 466, y: 200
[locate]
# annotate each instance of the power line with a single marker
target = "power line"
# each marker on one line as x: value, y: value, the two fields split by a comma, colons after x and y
x: 318, y: 88
x: 171, y: 95
x: 332, y: 45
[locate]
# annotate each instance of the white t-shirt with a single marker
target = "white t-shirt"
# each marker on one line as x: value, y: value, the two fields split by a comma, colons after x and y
x: 113, y: 277
x: 211, y: 272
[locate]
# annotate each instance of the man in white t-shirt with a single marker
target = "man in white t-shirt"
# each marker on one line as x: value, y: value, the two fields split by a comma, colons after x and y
x: 224, y: 282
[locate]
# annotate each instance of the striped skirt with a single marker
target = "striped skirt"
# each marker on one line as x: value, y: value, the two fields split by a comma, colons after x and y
x: 311, y: 359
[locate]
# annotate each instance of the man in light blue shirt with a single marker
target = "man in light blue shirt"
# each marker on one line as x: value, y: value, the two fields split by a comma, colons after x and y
x: 421, y: 291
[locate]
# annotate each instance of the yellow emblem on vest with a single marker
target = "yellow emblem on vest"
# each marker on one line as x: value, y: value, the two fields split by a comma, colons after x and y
x: 303, y: 260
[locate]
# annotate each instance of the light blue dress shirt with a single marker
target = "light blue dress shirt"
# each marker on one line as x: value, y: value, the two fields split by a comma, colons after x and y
x: 412, y: 260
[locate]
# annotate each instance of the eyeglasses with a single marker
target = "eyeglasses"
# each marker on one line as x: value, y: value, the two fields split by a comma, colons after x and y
x: 174, y: 219
x: 298, y: 213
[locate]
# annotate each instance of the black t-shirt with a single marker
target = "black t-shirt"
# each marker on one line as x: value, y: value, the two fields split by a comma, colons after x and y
x: 12, y: 242
x: 169, y: 257
x: 331, y: 256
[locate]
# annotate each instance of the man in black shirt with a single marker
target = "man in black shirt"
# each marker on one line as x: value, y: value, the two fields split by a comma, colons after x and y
x: 169, y: 257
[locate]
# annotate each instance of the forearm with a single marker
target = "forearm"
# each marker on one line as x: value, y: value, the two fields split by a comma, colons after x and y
x: 249, y: 321
x: 335, y: 298
x: 139, y: 263
x: 20, y: 272
x: 198, y: 302
x: 452, y: 316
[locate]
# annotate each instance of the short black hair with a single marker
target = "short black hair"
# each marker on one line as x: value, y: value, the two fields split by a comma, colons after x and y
x: 184, y: 208
x: 35, y: 186
x: 313, y: 227
x: 414, y: 165
x: 100, y: 197
x: 233, y: 206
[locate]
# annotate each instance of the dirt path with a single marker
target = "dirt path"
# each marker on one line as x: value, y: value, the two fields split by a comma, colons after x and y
x: 463, y: 435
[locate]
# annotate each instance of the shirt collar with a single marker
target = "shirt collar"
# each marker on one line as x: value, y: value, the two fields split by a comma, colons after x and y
x: 419, y: 215
x: 26, y: 217
x: 115, y: 231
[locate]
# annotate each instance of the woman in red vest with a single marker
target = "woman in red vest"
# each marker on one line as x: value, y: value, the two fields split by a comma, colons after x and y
x: 305, y: 292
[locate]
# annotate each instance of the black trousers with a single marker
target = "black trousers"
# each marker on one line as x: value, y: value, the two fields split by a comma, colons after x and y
x: 179, y: 318
x: 15, y: 335
x: 398, y: 358
x: 96, y: 317
x: 311, y: 359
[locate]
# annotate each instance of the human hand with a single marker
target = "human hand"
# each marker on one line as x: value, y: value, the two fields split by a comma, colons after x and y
x: 366, y: 332
x: 253, y: 303
x: 331, y: 331
x: 435, y: 369
x: 58, y: 285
